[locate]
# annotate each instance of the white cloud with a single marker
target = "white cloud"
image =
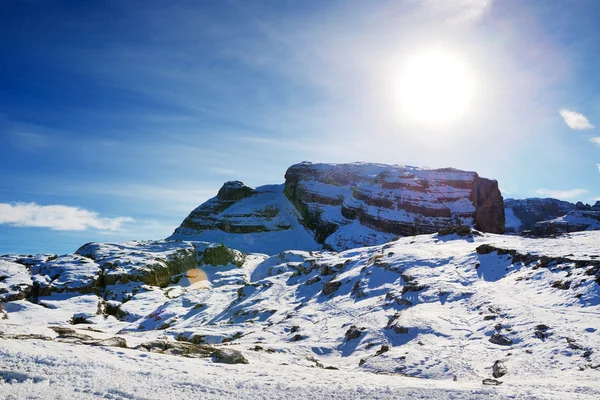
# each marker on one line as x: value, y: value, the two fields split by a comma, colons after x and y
x: 596, y: 141
x: 598, y: 166
x: 575, y: 120
x: 562, y: 194
x: 57, y: 217
x: 461, y: 11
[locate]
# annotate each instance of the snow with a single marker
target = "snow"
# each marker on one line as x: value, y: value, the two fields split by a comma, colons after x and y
x: 284, y: 230
x: 434, y: 301
x: 513, y: 223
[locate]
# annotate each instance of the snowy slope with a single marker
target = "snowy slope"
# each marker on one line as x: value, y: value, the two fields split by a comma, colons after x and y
x: 264, y: 222
x: 424, y: 307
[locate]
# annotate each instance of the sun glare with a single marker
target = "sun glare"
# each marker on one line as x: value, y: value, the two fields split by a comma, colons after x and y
x: 436, y: 88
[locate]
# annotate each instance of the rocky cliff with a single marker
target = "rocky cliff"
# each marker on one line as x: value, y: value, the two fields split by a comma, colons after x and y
x: 397, y: 200
x: 523, y: 214
x: 342, y: 206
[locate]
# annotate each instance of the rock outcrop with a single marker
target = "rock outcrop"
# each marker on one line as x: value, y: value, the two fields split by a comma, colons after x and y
x: 390, y: 199
x: 523, y: 214
x: 343, y: 206
x: 574, y: 221
x: 547, y: 217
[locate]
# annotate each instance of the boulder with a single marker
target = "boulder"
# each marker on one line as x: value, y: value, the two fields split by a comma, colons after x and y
x: 499, y: 369
x: 111, y: 342
x: 491, y: 382
x: 222, y: 255
x: 353, y: 333
x: 501, y: 340
x: 331, y: 286
x: 229, y: 356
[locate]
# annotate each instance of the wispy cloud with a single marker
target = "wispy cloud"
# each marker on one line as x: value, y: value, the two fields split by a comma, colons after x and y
x: 596, y: 140
x: 463, y: 11
x: 57, y: 217
x: 598, y: 166
x: 562, y: 194
x: 575, y: 120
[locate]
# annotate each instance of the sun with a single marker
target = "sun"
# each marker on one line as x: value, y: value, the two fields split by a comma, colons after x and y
x: 436, y: 88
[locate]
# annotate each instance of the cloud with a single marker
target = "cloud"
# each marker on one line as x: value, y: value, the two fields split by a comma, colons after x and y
x: 596, y: 141
x: 57, y: 217
x: 598, y: 166
x: 562, y: 194
x: 462, y: 11
x: 575, y: 120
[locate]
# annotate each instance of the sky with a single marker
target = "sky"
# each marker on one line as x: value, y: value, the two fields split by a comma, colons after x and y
x: 117, y: 118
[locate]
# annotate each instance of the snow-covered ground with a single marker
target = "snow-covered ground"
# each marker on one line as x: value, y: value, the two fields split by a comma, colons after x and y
x: 421, y: 317
x: 48, y: 370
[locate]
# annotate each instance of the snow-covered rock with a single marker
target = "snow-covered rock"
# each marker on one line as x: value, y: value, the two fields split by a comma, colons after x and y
x: 344, y: 206
x: 574, y: 221
x: 523, y: 214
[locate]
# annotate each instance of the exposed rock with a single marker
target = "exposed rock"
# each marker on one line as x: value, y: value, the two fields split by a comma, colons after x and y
x: 234, y: 191
x: 412, y: 288
x: 530, y: 211
x: 573, y: 221
x: 177, y: 348
x: 491, y: 382
x: 221, y: 255
x: 572, y: 343
x: 153, y: 263
x: 462, y: 230
x: 80, y: 318
x: 353, y: 333
x: 312, y: 280
x: 489, y: 206
x: 485, y: 249
x: 501, y: 340
x: 229, y: 356
x: 61, y: 330
x: 384, y: 349
x: 386, y: 200
x: 111, y: 342
x: 331, y: 286
x: 563, y: 285
x: 542, y: 327
x: 374, y: 188
x: 540, y: 335
x: 297, y: 338
x: 499, y: 369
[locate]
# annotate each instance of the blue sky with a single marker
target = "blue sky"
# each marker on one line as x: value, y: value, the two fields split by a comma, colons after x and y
x: 125, y: 115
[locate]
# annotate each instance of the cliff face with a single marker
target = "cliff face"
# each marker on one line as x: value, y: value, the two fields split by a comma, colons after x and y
x: 393, y: 200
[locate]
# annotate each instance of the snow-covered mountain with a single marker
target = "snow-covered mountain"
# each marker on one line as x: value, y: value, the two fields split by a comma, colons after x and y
x: 343, y: 206
x: 543, y: 217
x: 243, y: 301
x: 523, y: 214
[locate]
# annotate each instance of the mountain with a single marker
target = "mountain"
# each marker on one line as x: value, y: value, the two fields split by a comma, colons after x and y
x: 343, y: 206
x: 543, y: 217
x: 523, y: 214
